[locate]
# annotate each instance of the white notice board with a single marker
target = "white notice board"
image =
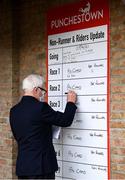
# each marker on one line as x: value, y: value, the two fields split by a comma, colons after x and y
x: 78, y: 59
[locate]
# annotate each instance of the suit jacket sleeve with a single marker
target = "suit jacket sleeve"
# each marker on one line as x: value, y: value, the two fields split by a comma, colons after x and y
x: 11, y: 124
x: 58, y: 118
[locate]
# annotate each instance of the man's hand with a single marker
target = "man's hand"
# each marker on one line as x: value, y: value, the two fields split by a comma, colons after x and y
x: 71, y: 96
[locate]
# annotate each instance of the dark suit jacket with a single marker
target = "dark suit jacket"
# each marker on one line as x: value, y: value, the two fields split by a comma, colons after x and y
x: 31, y: 123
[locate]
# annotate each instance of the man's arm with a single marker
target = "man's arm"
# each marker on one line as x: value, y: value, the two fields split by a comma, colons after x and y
x: 58, y: 118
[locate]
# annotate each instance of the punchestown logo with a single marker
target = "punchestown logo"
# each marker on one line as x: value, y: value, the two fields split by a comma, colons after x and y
x: 86, y: 9
x: 85, y: 15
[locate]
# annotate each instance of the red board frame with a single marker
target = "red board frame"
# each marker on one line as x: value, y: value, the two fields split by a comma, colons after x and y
x: 69, y: 18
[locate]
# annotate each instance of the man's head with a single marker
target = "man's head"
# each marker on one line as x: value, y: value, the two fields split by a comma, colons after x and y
x: 32, y: 86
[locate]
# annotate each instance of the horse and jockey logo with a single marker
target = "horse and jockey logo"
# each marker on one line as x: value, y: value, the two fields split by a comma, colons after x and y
x: 86, y: 9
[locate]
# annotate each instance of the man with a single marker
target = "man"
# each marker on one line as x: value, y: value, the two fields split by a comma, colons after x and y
x: 31, y: 122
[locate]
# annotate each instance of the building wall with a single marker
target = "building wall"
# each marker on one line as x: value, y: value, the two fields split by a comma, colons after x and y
x: 23, y: 48
x: 117, y: 122
x: 5, y: 88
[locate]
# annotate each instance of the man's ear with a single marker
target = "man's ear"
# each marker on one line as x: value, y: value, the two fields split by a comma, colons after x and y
x: 35, y: 89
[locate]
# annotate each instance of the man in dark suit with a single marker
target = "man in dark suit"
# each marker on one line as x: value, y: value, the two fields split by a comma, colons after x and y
x: 31, y: 122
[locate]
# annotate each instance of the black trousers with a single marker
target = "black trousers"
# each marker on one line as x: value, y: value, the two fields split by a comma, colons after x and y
x: 46, y: 176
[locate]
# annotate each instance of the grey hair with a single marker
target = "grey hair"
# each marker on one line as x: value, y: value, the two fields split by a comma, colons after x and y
x: 32, y: 81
